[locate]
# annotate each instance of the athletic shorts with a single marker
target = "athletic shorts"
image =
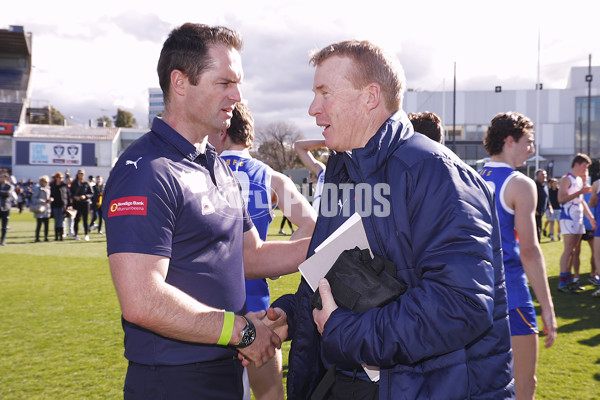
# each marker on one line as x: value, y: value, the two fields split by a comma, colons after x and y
x: 588, y: 235
x: 554, y: 217
x: 523, y: 321
x: 571, y: 227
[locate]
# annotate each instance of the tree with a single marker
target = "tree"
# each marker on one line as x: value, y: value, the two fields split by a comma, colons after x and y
x: 124, y: 119
x: 56, y: 117
x: 104, y: 121
x: 274, y: 145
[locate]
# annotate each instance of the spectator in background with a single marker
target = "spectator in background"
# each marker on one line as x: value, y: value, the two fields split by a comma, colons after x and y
x: 553, y: 211
x: 285, y: 220
x: 41, y: 205
x: 91, y: 181
x: 7, y: 196
x: 542, y: 200
x: 68, y: 178
x: 71, y: 212
x: 317, y: 168
x: 98, y: 190
x: 81, y: 193
x: 21, y: 200
x: 28, y: 189
x: 61, y: 200
x: 428, y: 124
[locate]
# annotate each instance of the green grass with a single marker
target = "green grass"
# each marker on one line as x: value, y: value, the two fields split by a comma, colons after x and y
x: 61, y: 338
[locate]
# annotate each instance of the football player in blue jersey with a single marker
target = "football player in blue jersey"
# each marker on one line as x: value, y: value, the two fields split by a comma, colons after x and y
x: 510, y: 141
x: 262, y: 188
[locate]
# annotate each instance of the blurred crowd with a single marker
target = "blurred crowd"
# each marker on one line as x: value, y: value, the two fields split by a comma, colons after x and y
x: 64, y: 198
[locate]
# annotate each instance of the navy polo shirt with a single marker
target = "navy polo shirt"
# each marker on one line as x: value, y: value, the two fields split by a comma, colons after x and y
x: 164, y: 197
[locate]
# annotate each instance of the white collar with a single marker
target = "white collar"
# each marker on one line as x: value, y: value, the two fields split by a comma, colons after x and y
x: 497, y: 164
x: 236, y: 153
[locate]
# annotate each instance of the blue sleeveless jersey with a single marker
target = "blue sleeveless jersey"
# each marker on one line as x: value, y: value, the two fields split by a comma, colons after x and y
x: 497, y: 175
x: 255, y: 179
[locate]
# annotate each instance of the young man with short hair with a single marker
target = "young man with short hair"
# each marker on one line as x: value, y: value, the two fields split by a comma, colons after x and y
x: 509, y: 141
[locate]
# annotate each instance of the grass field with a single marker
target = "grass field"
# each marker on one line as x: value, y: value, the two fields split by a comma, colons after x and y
x: 61, y: 338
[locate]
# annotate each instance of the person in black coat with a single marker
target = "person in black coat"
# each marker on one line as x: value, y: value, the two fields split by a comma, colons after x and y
x: 61, y: 199
x: 98, y: 190
x: 81, y: 193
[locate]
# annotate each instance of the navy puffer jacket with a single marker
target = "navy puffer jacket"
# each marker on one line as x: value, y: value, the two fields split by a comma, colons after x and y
x: 447, y: 337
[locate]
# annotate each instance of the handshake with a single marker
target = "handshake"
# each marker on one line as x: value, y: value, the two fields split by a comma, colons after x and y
x: 271, y: 330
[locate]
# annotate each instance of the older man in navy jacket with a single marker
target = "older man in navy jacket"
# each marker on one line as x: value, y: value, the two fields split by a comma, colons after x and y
x: 425, y: 210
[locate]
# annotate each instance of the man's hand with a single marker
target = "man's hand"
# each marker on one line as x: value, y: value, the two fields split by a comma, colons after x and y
x: 263, y: 347
x: 322, y: 316
x: 550, y: 327
x: 276, y: 319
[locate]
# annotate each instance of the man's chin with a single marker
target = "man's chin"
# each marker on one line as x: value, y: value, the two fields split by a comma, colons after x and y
x: 331, y: 145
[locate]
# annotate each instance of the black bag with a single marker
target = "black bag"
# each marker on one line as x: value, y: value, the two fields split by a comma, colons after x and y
x: 359, y: 282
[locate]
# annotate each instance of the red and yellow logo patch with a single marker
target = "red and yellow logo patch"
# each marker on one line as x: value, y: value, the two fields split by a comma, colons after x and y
x: 131, y: 205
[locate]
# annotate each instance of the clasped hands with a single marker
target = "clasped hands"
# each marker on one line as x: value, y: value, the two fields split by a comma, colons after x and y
x: 272, y: 328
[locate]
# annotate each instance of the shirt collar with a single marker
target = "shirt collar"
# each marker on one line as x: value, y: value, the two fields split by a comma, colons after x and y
x: 497, y: 164
x: 171, y: 136
x: 236, y: 153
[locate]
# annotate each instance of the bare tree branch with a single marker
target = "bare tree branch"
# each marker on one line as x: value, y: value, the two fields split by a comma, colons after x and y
x: 274, y: 145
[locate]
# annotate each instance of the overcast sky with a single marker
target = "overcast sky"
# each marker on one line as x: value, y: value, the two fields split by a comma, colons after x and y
x: 91, y: 58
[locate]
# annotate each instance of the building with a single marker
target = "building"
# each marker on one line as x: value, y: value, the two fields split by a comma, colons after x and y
x: 156, y: 104
x: 561, y: 120
x: 45, y: 149
x: 15, y: 70
x: 31, y: 150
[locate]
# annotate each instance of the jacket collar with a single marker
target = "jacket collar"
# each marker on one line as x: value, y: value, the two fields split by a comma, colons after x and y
x: 373, y: 156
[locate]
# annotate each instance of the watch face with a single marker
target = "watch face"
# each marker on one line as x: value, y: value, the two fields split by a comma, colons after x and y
x: 248, y: 334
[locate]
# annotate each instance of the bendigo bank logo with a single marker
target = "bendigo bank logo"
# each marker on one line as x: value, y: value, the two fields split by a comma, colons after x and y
x: 131, y: 205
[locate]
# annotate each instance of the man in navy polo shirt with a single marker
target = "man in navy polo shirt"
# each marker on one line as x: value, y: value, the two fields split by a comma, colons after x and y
x: 180, y: 240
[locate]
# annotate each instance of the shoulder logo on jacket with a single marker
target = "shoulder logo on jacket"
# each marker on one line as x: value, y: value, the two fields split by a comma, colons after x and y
x: 134, y: 163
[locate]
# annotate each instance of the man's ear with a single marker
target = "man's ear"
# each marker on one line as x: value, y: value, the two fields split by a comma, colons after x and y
x: 373, y: 91
x: 509, y: 141
x: 178, y: 81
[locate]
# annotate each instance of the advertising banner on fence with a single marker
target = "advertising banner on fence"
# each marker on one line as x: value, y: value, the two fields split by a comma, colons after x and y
x: 54, y: 153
